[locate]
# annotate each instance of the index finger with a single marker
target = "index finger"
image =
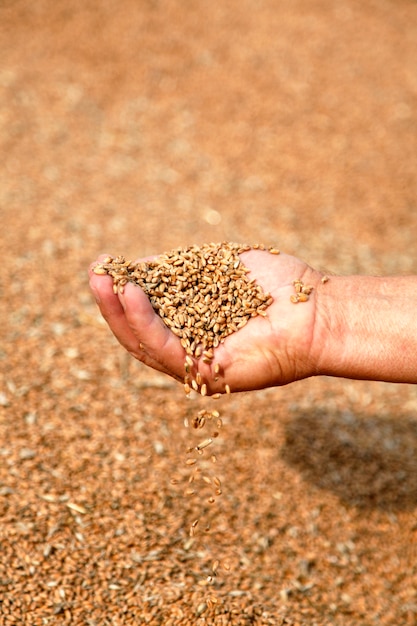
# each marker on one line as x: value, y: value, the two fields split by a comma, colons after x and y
x: 112, y: 310
x: 162, y: 348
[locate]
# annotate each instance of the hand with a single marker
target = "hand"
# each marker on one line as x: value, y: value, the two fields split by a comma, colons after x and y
x: 268, y: 351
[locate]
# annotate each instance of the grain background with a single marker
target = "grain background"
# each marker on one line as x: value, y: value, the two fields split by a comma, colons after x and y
x: 132, y: 128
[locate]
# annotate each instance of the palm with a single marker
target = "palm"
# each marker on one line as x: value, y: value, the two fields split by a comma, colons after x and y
x: 266, y: 352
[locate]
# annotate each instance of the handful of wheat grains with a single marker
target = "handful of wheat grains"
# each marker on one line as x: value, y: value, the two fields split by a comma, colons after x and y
x: 203, y: 294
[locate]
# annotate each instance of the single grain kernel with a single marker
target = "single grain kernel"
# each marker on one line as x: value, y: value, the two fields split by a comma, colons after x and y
x: 307, y: 289
x: 203, y: 444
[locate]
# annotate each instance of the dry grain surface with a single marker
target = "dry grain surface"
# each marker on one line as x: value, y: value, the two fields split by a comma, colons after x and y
x: 146, y: 126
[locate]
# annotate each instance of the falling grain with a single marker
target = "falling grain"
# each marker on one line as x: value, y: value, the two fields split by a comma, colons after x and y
x: 203, y: 444
x: 203, y: 295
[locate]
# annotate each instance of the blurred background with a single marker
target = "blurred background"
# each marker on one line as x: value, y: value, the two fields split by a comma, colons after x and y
x: 132, y: 128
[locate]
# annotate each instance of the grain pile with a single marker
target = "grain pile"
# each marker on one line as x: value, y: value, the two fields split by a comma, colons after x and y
x: 148, y: 125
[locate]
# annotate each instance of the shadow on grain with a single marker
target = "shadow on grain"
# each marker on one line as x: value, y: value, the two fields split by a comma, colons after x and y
x: 368, y: 462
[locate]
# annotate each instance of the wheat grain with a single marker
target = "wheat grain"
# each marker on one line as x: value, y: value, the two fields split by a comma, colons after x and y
x: 202, y: 294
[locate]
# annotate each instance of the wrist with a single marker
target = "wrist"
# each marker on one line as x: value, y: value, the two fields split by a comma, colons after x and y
x: 365, y: 328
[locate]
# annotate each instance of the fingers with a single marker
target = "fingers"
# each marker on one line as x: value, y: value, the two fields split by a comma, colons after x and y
x: 137, y: 327
x: 112, y: 311
x: 161, y: 348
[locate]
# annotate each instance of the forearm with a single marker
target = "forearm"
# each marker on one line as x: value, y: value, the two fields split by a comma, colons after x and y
x: 366, y: 328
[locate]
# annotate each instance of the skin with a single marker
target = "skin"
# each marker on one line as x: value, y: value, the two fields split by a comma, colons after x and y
x: 352, y: 327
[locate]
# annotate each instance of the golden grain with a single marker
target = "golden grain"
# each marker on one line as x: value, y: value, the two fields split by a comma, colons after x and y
x: 307, y: 289
x: 190, y: 287
x: 203, y: 444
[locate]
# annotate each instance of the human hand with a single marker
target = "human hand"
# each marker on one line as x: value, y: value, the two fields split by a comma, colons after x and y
x: 268, y: 351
